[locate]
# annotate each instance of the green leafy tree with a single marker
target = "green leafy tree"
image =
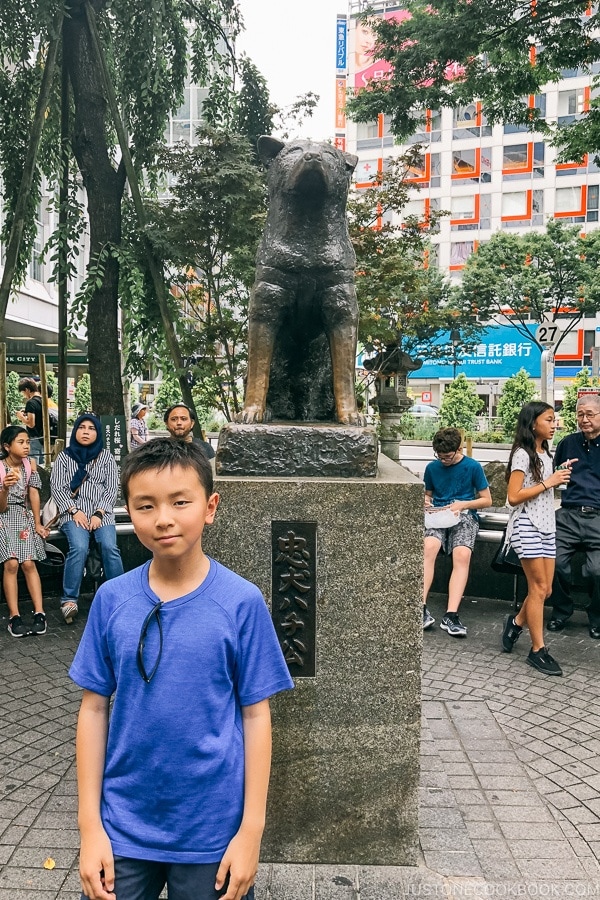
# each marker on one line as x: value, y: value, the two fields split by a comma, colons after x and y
x: 253, y: 110
x: 460, y: 405
x: 517, y: 391
x: 532, y: 278
x: 567, y: 412
x: 168, y: 393
x: 451, y: 52
x: 83, y: 394
x: 146, y: 53
x: 14, y: 401
x: 207, y: 231
x: 402, y: 301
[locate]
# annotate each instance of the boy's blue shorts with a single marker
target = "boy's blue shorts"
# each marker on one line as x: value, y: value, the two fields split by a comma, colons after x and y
x: 140, y: 879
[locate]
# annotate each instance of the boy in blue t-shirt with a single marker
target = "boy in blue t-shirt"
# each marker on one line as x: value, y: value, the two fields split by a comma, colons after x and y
x: 456, y: 483
x: 173, y: 784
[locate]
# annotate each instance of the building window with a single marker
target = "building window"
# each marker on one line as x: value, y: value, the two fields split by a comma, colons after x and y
x: 593, y: 193
x: 466, y: 121
x: 572, y: 104
x: 465, y: 209
x: 466, y: 164
x: 366, y: 130
x: 570, y: 202
x: 523, y: 161
x: 522, y: 208
x: 459, y: 254
x: 366, y: 171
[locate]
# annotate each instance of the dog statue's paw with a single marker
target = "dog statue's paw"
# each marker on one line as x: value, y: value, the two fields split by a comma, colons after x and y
x: 353, y: 418
x: 252, y: 414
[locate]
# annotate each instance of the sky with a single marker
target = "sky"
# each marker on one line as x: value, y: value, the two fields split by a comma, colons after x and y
x: 293, y: 46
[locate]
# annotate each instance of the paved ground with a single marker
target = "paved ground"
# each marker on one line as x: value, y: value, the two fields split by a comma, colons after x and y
x: 510, y: 796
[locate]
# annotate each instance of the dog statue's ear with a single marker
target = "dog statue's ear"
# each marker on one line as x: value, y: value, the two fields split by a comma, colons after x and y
x: 351, y: 161
x: 268, y: 148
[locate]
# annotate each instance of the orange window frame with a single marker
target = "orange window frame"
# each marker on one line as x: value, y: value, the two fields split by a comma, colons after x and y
x: 368, y: 184
x: 528, y: 212
x: 574, y: 165
x: 458, y: 176
x: 458, y: 268
x: 475, y: 219
x: 421, y: 179
x: 517, y: 170
x: 582, y: 211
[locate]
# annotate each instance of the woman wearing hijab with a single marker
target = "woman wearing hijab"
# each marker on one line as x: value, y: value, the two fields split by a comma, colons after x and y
x: 84, y: 483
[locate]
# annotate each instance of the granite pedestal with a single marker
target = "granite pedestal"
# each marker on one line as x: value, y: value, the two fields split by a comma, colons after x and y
x: 346, y: 741
x: 290, y: 449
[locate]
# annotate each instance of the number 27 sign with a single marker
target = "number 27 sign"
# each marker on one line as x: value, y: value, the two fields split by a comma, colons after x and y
x: 547, y: 334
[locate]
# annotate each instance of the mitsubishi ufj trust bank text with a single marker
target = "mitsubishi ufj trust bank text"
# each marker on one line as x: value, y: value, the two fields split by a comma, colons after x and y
x: 501, y: 350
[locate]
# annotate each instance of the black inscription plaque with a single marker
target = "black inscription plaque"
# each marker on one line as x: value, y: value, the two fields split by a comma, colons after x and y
x: 294, y: 593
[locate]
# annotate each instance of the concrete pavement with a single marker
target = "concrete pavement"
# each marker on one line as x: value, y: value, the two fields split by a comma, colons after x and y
x: 510, y: 795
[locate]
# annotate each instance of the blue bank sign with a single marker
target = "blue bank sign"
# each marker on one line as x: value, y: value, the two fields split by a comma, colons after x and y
x: 500, y: 353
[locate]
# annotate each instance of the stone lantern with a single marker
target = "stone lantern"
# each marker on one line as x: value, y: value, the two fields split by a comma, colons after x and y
x: 391, y: 368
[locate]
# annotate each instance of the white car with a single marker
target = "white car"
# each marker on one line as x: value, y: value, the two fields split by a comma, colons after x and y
x: 424, y: 411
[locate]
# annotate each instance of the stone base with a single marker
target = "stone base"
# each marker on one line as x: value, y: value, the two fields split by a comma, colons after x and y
x: 307, y: 450
x: 346, y: 741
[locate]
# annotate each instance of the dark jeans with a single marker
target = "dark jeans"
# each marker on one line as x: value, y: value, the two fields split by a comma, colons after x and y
x: 140, y: 879
x: 576, y: 531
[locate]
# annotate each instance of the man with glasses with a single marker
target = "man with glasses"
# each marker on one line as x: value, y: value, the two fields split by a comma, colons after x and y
x: 578, y: 518
x: 456, y: 483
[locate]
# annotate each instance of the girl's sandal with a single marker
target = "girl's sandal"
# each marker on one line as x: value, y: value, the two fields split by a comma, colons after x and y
x: 69, y: 610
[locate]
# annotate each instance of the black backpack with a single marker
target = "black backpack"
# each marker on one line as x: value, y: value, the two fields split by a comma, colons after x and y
x: 53, y: 421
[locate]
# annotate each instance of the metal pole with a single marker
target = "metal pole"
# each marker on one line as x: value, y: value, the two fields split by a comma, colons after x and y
x: 547, y: 376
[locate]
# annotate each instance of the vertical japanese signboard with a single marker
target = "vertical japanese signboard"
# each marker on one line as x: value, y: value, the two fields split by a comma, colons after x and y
x: 114, y: 434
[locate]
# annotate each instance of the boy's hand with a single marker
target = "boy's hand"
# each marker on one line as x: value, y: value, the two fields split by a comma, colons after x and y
x: 42, y: 530
x: 241, y: 861
x: 96, y: 866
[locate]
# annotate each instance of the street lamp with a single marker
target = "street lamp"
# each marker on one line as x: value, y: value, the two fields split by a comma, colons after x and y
x: 455, y: 338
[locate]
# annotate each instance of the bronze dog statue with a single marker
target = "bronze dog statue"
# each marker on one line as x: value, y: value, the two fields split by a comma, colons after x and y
x: 303, y: 316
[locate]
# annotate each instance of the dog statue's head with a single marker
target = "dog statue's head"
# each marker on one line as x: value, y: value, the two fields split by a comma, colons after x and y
x: 306, y: 168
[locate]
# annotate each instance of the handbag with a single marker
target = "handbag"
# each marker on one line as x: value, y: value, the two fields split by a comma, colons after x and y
x: 506, y: 560
x: 49, y: 513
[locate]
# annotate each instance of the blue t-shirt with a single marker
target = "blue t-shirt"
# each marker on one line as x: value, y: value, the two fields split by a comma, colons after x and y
x: 462, y: 481
x: 173, y: 788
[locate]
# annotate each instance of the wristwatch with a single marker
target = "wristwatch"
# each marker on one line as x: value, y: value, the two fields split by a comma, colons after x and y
x: 73, y: 510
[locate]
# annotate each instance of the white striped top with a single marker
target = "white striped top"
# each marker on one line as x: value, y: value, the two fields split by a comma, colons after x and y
x: 98, y: 490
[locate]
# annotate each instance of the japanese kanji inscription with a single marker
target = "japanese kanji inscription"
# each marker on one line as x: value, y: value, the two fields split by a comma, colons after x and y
x: 294, y: 594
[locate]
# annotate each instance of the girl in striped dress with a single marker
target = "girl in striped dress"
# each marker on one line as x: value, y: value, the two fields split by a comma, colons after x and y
x: 532, y: 526
x: 21, y: 531
x: 84, y: 483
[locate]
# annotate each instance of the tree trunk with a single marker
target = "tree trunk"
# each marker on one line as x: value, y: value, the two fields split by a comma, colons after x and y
x: 104, y: 186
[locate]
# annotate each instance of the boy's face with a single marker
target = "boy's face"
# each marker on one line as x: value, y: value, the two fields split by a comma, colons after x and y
x: 450, y: 458
x: 169, y: 510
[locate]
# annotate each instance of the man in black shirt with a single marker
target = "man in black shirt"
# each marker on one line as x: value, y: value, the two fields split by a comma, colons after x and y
x: 32, y: 417
x: 578, y: 519
x: 179, y: 420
